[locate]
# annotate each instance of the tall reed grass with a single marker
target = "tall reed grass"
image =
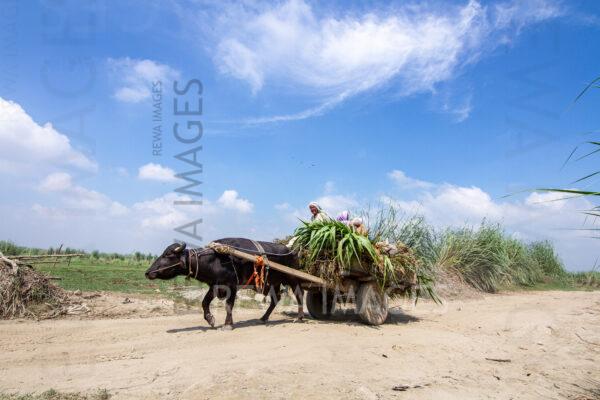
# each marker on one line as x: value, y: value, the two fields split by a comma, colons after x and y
x: 486, y: 257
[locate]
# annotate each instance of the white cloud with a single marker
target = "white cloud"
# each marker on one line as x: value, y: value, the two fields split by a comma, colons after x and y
x: 76, y: 199
x: 230, y: 199
x: 334, y: 204
x: 539, y: 216
x: 405, y: 182
x: 90, y: 219
x: 330, y: 201
x: 162, y: 213
x: 135, y: 77
x: 549, y: 200
x: 450, y: 205
x: 56, y: 182
x: 332, y: 57
x: 156, y: 172
x: 25, y: 145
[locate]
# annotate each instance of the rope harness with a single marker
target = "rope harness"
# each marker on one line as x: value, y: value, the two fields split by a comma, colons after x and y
x: 181, y: 263
x: 260, y: 275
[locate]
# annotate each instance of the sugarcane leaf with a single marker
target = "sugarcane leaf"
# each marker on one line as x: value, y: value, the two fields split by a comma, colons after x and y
x: 587, y: 177
x: 572, y: 191
x: 340, y: 248
x: 588, y: 154
x: 570, y: 156
x: 592, y: 83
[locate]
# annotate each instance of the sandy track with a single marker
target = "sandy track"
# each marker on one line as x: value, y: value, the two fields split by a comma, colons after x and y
x: 551, y: 338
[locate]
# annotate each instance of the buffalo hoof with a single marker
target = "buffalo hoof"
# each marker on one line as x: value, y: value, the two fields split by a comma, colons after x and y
x: 227, y: 327
x: 210, y: 319
x: 263, y: 321
x: 298, y: 320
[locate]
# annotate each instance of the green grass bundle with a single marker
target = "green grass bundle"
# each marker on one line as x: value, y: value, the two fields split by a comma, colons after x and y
x: 330, y: 247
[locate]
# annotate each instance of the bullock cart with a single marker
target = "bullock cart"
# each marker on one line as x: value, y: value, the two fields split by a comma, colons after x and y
x: 354, y: 286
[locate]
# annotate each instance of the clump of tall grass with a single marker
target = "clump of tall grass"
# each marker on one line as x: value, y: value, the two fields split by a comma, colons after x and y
x: 479, y: 256
x: 547, y: 260
x: 485, y: 257
x: 488, y: 258
x: 523, y: 268
x: 413, y: 231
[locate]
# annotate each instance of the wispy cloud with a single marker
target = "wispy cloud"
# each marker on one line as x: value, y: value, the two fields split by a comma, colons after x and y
x: 406, y: 182
x: 334, y: 56
x: 459, y: 110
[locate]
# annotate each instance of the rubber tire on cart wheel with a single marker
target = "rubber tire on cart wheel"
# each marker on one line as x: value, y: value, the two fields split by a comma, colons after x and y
x: 315, y: 303
x: 371, y: 304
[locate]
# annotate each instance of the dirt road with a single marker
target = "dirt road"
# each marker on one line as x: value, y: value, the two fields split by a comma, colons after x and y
x: 522, y: 346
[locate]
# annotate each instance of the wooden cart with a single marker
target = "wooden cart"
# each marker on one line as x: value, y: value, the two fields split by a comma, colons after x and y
x: 321, y: 297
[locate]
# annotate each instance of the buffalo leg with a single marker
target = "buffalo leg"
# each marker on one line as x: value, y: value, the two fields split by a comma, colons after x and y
x: 229, y: 306
x: 208, y: 298
x: 299, y: 293
x: 274, y: 294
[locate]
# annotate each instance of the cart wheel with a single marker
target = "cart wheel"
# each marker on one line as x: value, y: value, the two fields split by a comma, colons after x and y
x: 371, y: 304
x: 317, y: 307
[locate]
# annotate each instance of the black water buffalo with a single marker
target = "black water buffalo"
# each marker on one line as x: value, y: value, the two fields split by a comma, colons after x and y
x: 223, y: 273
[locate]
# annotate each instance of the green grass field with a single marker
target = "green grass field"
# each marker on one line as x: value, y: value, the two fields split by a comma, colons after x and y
x: 127, y: 276
x: 487, y: 258
x: 115, y: 275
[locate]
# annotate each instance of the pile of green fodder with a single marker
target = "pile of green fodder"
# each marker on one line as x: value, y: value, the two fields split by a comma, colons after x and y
x: 328, y: 248
x: 27, y: 293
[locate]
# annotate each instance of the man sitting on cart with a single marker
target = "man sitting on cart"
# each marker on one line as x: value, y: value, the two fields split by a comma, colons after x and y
x: 318, y: 215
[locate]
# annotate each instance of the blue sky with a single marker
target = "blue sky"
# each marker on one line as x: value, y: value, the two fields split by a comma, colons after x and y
x: 436, y: 108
